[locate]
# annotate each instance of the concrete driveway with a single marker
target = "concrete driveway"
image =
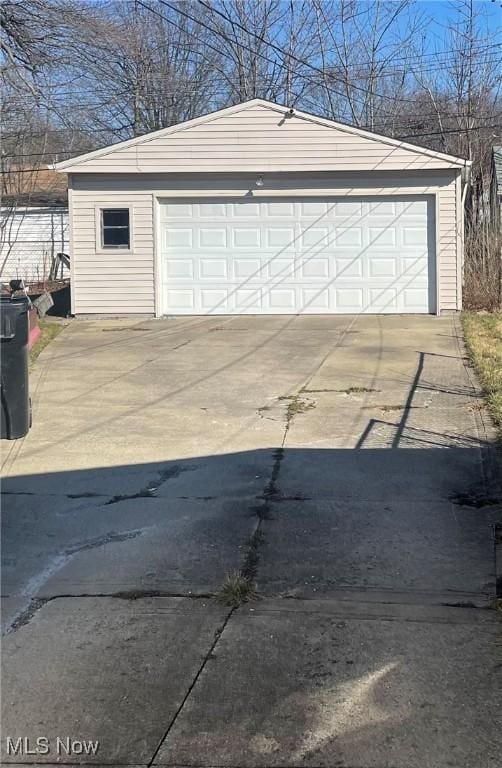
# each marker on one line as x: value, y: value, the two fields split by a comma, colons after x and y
x: 343, y: 462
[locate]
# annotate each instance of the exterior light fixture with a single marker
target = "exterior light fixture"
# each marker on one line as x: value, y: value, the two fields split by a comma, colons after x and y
x: 259, y: 181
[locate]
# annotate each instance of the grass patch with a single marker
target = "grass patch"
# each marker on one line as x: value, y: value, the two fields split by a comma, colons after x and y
x: 49, y: 330
x: 483, y: 336
x: 295, y: 406
x: 236, y: 590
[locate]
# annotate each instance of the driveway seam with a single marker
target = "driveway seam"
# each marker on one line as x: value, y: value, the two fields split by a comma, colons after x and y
x: 218, y: 634
x: 271, y: 491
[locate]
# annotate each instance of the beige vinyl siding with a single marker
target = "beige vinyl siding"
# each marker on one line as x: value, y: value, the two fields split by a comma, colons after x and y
x: 448, y: 262
x: 260, y: 139
x: 108, y: 283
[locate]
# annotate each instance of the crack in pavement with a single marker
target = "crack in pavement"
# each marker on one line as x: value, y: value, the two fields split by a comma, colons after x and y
x: 57, y: 563
x: 218, y: 633
x: 36, y: 603
x: 25, y: 616
x: 271, y: 492
x: 263, y: 512
x: 100, y: 541
x: 148, y: 492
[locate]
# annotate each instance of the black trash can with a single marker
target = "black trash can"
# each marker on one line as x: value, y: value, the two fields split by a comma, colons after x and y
x: 14, y: 334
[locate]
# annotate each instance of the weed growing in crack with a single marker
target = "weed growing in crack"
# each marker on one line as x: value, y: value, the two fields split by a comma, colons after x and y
x: 239, y: 587
x: 357, y: 390
x: 262, y: 511
x: 388, y: 408
x: 250, y: 567
x: 295, y: 406
x: 236, y: 591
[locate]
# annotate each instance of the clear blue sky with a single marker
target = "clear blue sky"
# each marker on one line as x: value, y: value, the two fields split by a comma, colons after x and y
x: 445, y: 12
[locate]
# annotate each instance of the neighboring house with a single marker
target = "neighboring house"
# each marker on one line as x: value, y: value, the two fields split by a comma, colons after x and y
x: 259, y: 209
x: 496, y: 189
x: 34, y: 224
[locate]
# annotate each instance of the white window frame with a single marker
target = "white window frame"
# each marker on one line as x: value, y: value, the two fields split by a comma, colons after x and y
x: 98, y: 217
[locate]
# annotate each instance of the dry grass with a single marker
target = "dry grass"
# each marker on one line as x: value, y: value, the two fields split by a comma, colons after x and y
x: 236, y: 590
x: 482, y: 269
x: 483, y: 335
x: 49, y: 330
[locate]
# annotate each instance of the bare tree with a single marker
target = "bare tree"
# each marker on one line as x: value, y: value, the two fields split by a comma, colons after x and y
x: 79, y: 74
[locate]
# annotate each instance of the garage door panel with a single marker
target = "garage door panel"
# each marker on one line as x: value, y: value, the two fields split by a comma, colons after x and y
x: 176, y: 237
x: 213, y: 269
x: 383, y: 267
x: 176, y: 210
x: 285, y: 267
x: 181, y: 300
x: 349, y: 209
x: 382, y: 298
x: 211, y: 210
x: 211, y: 237
x: 286, y: 256
x: 248, y: 268
x: 414, y: 298
x: 382, y: 236
x: 248, y: 298
x: 246, y: 237
x: 315, y: 267
x: 181, y: 269
x: 245, y: 210
x: 279, y: 209
x: 313, y: 209
x: 349, y: 299
x: 382, y: 208
x: 414, y: 236
x: 349, y: 236
x: 348, y: 267
x: 211, y: 298
x: 282, y: 299
x: 279, y: 237
x: 416, y: 271
x: 313, y: 299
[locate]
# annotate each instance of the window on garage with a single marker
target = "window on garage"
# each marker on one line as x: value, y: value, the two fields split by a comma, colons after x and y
x: 115, y: 228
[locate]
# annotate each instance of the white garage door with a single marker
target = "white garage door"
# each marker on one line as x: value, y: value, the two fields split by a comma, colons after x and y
x: 288, y: 256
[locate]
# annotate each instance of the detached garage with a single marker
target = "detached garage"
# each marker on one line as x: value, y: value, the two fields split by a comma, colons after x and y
x: 259, y: 209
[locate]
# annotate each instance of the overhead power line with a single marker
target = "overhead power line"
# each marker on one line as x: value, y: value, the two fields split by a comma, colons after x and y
x: 452, y: 130
x: 438, y: 55
x: 209, y: 29
x: 217, y: 32
x: 399, y: 138
x: 47, y: 153
x: 276, y: 48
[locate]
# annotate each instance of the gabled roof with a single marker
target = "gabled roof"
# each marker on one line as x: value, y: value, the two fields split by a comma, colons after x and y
x: 79, y: 163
